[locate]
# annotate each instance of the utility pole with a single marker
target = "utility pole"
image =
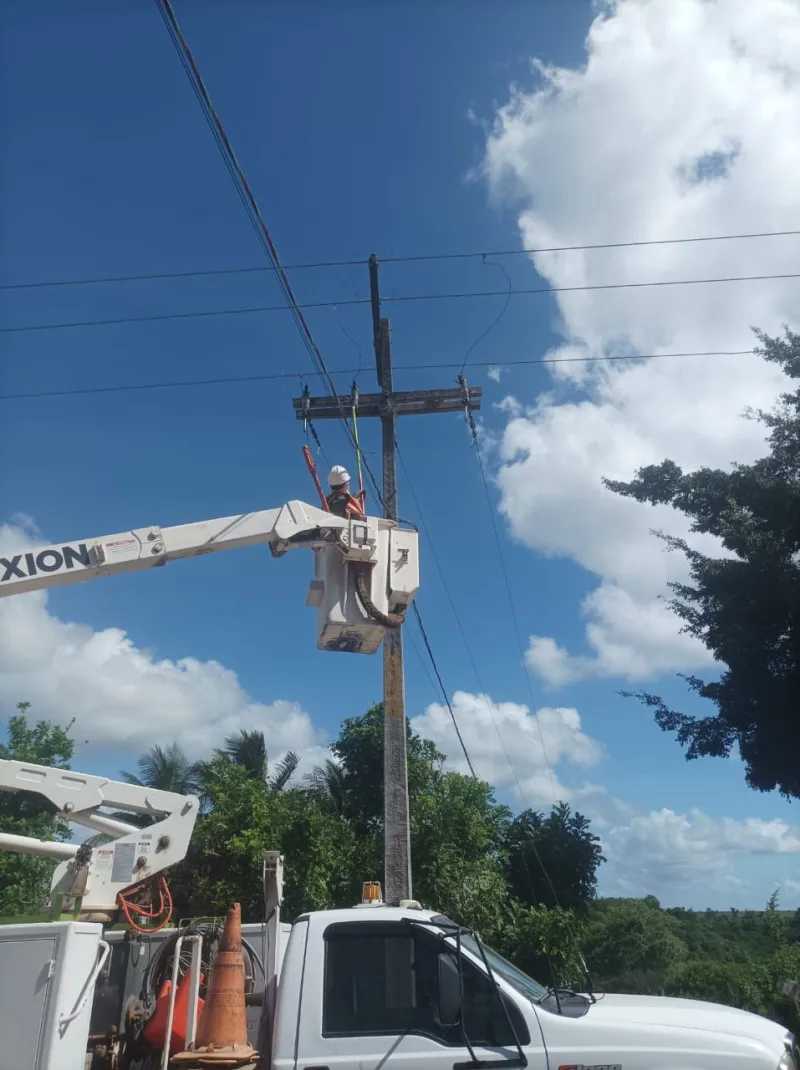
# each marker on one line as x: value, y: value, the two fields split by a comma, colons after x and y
x: 388, y: 405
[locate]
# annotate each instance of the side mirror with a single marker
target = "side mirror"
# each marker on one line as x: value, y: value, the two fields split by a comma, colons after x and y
x: 449, y: 980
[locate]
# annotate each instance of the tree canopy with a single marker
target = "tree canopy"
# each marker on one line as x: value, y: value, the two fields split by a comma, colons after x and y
x: 743, y: 604
x: 25, y: 879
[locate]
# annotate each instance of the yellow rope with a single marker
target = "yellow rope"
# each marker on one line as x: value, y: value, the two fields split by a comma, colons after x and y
x: 355, y: 438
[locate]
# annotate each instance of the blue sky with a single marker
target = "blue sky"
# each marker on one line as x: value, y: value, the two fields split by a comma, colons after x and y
x: 378, y: 130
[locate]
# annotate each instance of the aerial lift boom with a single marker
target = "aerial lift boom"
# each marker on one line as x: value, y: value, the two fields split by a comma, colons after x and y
x: 89, y: 880
x: 366, y: 568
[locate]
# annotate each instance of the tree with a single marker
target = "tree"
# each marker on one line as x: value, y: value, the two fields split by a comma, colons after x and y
x: 327, y: 785
x: 630, y: 945
x: 25, y: 879
x: 553, y: 860
x: 248, y: 749
x: 358, y: 749
x: 168, y: 769
x: 244, y: 818
x: 745, y: 606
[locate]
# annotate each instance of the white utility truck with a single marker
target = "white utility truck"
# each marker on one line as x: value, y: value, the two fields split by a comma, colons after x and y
x: 357, y: 989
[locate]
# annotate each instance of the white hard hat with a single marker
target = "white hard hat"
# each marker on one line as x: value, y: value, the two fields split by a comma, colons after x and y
x: 338, y: 476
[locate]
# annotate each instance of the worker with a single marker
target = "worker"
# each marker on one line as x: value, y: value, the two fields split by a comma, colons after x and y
x: 340, y: 501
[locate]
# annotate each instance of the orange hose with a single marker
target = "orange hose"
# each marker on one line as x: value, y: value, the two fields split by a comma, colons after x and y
x: 165, y: 908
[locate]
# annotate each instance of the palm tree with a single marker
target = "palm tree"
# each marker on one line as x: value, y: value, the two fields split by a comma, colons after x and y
x: 249, y: 750
x: 168, y: 769
x: 164, y: 768
x: 326, y: 785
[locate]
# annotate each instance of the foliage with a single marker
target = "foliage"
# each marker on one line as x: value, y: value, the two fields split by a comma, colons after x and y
x: 553, y: 860
x: 249, y: 750
x: 168, y: 769
x: 545, y: 942
x: 630, y: 944
x: 25, y: 879
x: 745, y: 606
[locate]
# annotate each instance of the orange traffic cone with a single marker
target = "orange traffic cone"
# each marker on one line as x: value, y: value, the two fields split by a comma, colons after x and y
x: 222, y: 1029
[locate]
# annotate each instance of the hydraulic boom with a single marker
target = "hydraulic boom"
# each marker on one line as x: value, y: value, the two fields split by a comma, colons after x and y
x: 366, y: 568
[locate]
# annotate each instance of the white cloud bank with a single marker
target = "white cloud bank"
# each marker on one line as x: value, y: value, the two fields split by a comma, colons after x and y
x: 510, y: 748
x: 683, y: 122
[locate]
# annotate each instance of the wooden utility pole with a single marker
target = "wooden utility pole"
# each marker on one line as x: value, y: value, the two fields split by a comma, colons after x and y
x: 388, y: 406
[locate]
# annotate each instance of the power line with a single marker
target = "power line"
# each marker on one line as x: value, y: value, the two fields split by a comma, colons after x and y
x: 485, y: 695
x: 254, y: 212
x: 507, y: 584
x: 296, y: 307
x: 462, y: 632
x: 99, y: 280
x: 443, y: 689
x: 585, y: 248
x: 162, y: 275
x: 222, y: 380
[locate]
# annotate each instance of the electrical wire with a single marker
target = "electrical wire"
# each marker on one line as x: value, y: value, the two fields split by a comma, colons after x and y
x: 531, y: 841
x: 460, y: 626
x: 296, y: 308
x: 259, y: 224
x: 496, y: 320
x: 349, y: 371
x: 445, y: 696
x: 99, y: 280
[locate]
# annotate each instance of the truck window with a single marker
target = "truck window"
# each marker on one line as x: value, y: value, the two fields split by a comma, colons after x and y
x: 382, y: 979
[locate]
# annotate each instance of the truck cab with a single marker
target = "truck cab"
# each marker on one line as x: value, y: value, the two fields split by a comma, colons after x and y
x: 374, y: 986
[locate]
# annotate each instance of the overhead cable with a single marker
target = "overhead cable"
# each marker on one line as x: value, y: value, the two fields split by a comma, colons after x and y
x: 350, y: 371
x: 296, y: 309
x: 254, y: 212
x: 99, y: 280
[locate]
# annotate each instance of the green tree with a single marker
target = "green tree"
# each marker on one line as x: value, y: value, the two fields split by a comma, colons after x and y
x: 457, y: 835
x: 25, y: 879
x: 545, y: 942
x: 249, y: 750
x: 168, y: 769
x: 244, y: 818
x: 553, y: 860
x: 630, y: 945
x: 745, y: 607
x: 358, y: 749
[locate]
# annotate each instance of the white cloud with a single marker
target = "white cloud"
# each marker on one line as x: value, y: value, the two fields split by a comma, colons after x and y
x: 495, y: 372
x: 633, y: 147
x: 507, y: 745
x: 121, y: 695
x: 678, y: 856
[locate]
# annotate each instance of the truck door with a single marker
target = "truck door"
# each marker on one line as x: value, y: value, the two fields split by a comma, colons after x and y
x: 378, y: 983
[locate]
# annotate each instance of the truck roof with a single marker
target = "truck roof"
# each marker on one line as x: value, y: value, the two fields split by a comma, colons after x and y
x: 371, y: 912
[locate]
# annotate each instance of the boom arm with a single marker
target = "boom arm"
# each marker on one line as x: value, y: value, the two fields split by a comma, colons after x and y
x: 366, y: 569
x: 96, y: 876
x: 293, y: 524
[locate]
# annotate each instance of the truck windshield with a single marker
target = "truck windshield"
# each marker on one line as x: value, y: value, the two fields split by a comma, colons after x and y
x: 525, y: 985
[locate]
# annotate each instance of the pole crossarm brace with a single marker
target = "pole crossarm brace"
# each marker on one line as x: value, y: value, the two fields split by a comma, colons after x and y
x: 403, y: 403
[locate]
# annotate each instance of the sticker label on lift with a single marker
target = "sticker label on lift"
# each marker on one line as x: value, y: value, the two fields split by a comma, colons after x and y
x: 124, y: 858
x: 120, y: 547
x: 103, y: 858
x: 143, y: 848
